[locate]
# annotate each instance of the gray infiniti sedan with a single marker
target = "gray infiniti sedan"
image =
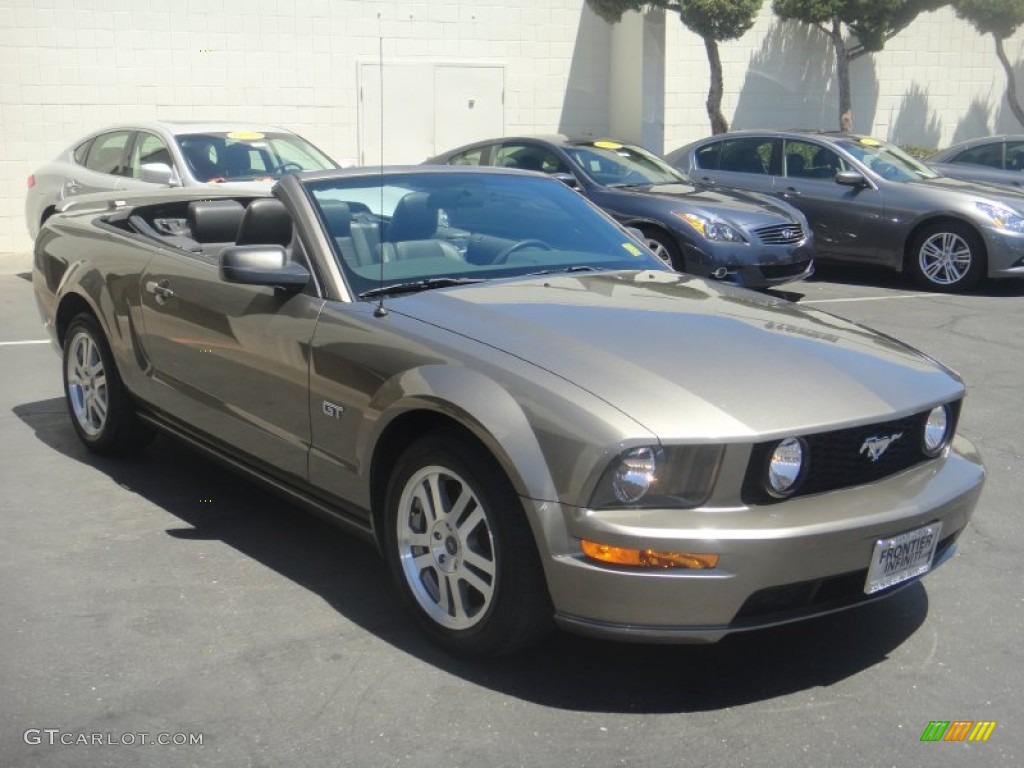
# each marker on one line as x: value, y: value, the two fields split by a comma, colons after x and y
x: 748, y: 239
x: 871, y: 203
x: 534, y: 419
x: 149, y: 155
x: 990, y: 160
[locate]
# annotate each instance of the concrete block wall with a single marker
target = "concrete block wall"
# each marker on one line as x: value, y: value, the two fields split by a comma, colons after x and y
x: 935, y: 83
x: 68, y: 67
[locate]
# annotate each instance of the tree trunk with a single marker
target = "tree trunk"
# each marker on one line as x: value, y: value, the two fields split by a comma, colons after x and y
x: 843, y: 77
x: 718, y: 122
x: 1011, y: 82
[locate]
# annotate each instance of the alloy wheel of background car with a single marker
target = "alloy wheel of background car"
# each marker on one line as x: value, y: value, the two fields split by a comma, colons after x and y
x: 664, y: 249
x: 462, y: 552
x: 948, y: 256
x: 102, y: 412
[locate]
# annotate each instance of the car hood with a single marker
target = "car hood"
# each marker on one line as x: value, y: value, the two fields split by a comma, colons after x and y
x: 739, y: 206
x: 975, y: 189
x: 693, y: 359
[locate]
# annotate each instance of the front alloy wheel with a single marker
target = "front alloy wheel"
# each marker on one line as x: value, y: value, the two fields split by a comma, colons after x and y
x: 460, y: 548
x: 948, y: 257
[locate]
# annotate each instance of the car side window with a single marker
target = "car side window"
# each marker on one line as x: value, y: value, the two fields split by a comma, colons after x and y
x: 990, y: 155
x: 471, y: 157
x: 807, y: 160
x: 82, y: 151
x: 528, y: 157
x: 708, y: 157
x: 148, y: 148
x: 746, y: 155
x: 106, y: 154
x: 1015, y: 155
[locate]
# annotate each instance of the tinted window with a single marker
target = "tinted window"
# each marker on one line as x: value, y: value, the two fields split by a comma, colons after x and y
x: 471, y: 157
x: 806, y: 160
x: 528, y: 157
x: 149, y: 149
x: 746, y: 155
x: 990, y: 155
x: 107, y: 151
x: 247, y: 155
x: 1015, y: 156
x: 82, y: 151
x: 708, y: 157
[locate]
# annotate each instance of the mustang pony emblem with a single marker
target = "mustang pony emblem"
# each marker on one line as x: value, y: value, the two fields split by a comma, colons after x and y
x: 876, y: 446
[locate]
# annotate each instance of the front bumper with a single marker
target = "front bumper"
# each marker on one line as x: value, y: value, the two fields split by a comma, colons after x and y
x: 751, y: 266
x: 793, y: 560
x: 1005, y: 252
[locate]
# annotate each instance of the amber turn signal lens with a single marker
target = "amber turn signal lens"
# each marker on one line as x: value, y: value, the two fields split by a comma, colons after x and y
x: 647, y: 558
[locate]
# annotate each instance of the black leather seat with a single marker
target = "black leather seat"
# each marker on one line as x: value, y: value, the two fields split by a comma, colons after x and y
x: 414, y: 218
x: 214, y: 221
x: 265, y: 222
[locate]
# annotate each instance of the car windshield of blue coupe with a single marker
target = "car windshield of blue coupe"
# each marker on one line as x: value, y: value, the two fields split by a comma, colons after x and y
x: 616, y: 165
x: 392, y: 233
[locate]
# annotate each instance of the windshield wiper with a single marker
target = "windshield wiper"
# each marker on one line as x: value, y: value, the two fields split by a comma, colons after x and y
x: 574, y: 268
x: 419, y: 285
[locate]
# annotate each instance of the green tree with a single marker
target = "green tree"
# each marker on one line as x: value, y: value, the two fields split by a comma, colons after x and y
x: 855, y: 28
x: 714, y: 20
x: 999, y: 18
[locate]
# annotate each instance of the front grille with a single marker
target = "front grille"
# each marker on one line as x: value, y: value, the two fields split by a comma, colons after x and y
x: 780, y: 234
x: 840, y: 459
x: 775, y: 271
x: 791, y: 601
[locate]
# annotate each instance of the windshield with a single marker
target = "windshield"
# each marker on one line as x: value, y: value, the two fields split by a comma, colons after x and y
x: 425, y: 227
x: 621, y: 165
x: 888, y: 161
x: 249, y: 155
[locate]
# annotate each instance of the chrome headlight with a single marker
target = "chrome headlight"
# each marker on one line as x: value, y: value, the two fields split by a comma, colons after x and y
x: 712, y: 229
x: 1002, y: 217
x: 785, y: 467
x: 936, y: 432
x: 659, y: 476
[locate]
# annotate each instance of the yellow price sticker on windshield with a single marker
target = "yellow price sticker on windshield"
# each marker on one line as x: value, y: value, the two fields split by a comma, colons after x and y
x: 632, y: 249
x: 607, y: 145
x: 869, y: 142
x: 246, y: 135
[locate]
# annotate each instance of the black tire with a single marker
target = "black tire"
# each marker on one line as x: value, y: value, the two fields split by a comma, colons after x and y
x: 664, y: 247
x: 102, y: 412
x: 473, y: 577
x: 947, y: 256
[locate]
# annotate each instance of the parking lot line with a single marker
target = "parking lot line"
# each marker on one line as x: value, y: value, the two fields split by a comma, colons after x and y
x: 869, y: 298
x: 19, y: 343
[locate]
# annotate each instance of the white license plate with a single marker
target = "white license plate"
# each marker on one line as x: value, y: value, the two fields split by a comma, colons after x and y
x: 902, y: 557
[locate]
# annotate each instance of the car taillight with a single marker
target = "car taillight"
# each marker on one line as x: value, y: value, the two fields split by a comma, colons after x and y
x: 31, y: 180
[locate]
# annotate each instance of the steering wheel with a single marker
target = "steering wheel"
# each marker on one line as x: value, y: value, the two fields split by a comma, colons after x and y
x: 502, y: 257
x: 286, y: 168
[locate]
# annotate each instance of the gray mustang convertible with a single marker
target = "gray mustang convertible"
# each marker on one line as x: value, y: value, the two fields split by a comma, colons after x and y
x: 534, y: 419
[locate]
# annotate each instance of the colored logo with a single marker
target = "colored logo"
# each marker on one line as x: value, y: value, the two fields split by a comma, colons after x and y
x: 958, y: 730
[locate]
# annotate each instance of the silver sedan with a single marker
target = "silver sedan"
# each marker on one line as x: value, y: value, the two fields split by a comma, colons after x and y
x: 869, y: 202
x: 148, y: 155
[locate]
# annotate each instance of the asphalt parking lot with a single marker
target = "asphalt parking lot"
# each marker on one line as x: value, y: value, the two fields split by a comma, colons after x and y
x: 164, y: 596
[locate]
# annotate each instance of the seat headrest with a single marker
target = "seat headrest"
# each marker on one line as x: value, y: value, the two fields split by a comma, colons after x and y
x: 338, y: 217
x: 214, y: 221
x: 414, y: 218
x: 266, y: 222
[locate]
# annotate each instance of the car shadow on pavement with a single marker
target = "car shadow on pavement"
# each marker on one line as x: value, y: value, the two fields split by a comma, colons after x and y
x: 565, y: 671
x: 879, y: 277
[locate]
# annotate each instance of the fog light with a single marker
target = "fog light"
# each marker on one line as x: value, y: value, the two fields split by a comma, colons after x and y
x: 648, y: 558
x: 785, y: 466
x: 936, y: 430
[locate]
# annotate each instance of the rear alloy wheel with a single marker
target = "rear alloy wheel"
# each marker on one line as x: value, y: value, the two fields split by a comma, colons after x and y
x: 947, y: 256
x: 459, y: 545
x: 102, y: 412
x: 664, y: 248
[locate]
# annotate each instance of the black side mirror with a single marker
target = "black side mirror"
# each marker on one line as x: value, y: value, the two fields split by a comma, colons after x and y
x: 262, y: 265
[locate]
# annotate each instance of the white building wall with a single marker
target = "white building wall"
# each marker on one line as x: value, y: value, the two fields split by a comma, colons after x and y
x: 935, y: 83
x: 71, y: 66
x: 68, y: 67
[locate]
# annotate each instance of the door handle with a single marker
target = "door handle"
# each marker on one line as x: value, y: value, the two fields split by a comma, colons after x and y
x: 161, y: 290
x: 791, y: 192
